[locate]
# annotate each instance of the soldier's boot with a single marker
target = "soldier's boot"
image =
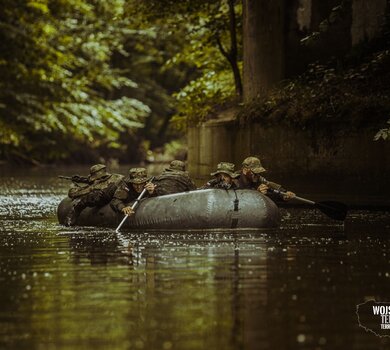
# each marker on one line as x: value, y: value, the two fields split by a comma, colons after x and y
x: 75, y: 212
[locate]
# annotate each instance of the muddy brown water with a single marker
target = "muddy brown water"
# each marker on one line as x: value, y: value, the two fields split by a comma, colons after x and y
x: 295, y: 287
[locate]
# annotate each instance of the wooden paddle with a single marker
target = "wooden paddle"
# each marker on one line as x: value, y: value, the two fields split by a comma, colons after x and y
x: 335, y: 210
x: 135, y: 204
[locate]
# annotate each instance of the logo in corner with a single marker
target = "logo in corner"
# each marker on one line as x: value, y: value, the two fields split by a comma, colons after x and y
x: 374, y: 317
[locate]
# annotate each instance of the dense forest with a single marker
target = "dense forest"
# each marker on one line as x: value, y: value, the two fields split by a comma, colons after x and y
x: 85, y: 79
x: 82, y: 79
x: 344, y: 86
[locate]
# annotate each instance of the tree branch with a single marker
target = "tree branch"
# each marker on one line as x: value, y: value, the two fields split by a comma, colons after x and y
x: 220, y: 46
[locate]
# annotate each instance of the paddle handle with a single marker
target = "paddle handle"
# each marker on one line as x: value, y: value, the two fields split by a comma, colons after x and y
x: 304, y: 200
x: 138, y: 199
x: 133, y: 207
x: 121, y: 224
x: 334, y: 210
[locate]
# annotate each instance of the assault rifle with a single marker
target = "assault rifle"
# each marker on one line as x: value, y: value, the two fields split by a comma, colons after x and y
x: 75, y: 178
x: 213, y: 182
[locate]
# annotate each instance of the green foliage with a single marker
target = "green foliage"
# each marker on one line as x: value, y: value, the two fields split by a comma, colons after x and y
x: 175, y: 149
x: 198, y: 100
x: 80, y: 75
x: 327, y: 98
x: 155, y: 84
x: 57, y: 76
x: 203, y: 24
x: 366, y: 97
x: 383, y: 133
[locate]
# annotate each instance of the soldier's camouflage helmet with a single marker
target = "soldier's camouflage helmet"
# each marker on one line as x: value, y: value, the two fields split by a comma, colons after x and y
x: 138, y: 175
x: 97, y: 171
x: 176, y: 165
x: 253, y: 164
x: 226, y: 168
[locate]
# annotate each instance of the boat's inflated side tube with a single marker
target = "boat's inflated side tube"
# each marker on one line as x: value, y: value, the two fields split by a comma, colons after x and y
x: 201, y: 209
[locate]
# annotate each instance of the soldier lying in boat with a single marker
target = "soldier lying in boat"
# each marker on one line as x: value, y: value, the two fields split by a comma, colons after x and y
x: 250, y: 178
x: 129, y: 190
x: 225, y: 177
x: 174, y: 180
x: 98, y: 190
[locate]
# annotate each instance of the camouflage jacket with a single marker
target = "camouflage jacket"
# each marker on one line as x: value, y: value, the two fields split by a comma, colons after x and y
x: 108, y: 185
x: 244, y: 183
x: 124, y: 195
x: 173, y: 182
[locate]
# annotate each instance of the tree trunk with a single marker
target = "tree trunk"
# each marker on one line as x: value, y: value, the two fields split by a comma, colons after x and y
x: 231, y: 54
x: 233, y: 50
x: 263, y: 40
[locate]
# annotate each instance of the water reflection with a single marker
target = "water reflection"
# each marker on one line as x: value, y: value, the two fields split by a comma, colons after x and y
x: 295, y: 287
x: 99, y: 248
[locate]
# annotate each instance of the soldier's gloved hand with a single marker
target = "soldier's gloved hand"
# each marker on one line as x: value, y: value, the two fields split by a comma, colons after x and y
x: 226, y: 185
x: 288, y: 195
x: 78, y: 178
x: 128, y: 211
x: 263, y: 188
x: 150, y: 187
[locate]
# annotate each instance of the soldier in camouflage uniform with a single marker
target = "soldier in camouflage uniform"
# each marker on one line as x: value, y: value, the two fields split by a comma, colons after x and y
x: 98, y: 190
x: 129, y: 190
x: 225, y: 177
x: 250, y: 178
x: 174, y: 179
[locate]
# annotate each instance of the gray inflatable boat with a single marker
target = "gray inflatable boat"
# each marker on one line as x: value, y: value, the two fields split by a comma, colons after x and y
x: 195, y: 210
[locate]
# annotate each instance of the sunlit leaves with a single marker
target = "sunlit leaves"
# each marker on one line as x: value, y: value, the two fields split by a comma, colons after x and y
x: 57, y: 75
x: 204, y: 24
x: 8, y: 136
x: 38, y: 5
x: 383, y: 133
x: 196, y: 101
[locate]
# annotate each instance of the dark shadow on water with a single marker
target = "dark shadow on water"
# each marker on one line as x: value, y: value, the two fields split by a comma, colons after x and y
x: 295, y: 287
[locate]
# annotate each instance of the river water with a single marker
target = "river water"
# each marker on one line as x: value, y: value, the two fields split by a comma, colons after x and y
x: 296, y: 287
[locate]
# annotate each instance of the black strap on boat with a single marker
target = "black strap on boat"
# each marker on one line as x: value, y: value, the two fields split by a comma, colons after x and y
x: 236, y: 202
x: 235, y: 211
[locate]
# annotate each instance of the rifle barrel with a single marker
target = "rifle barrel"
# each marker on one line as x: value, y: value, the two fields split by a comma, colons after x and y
x: 65, y: 177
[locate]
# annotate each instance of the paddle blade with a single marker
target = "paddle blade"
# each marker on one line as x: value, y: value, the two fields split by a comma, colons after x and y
x: 335, y: 210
